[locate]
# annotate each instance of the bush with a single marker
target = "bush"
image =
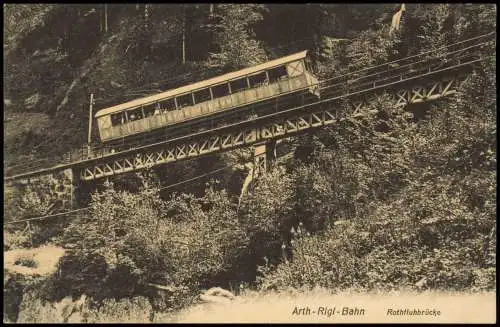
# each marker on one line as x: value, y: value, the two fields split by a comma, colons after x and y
x: 427, y: 234
x: 428, y: 220
x: 267, y: 217
x: 15, y: 240
x: 129, y: 240
x: 207, y: 238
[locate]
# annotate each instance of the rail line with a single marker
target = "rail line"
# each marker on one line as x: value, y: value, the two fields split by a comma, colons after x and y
x: 388, y: 75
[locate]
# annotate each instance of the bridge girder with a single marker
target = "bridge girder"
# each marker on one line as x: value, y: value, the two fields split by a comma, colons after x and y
x: 251, y: 135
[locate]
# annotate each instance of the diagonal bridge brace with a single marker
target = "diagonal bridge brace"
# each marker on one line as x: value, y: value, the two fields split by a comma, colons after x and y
x: 271, y: 127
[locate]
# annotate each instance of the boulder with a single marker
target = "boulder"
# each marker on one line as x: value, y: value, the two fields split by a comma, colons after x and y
x: 32, y: 100
x: 217, y: 295
x: 71, y: 311
x: 115, y: 84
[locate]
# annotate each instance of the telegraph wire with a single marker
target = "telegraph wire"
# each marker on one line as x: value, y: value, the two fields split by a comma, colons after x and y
x: 47, y: 216
x: 322, y: 82
x: 197, y: 177
x: 89, y: 207
x: 410, y: 57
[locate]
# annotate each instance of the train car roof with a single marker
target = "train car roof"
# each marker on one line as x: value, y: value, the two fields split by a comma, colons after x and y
x: 202, y: 84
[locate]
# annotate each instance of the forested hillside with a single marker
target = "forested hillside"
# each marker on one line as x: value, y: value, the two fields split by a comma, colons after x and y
x: 398, y: 198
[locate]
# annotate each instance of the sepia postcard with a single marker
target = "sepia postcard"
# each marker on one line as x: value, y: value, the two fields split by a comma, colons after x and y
x: 249, y: 162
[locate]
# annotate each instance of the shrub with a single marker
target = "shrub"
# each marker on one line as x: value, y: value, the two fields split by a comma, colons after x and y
x: 207, y: 237
x: 267, y: 216
x: 129, y: 240
x: 16, y: 240
x: 426, y: 235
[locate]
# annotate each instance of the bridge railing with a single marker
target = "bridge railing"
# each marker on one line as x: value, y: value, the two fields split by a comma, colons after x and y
x: 444, y: 56
x: 420, y: 66
x: 386, y: 73
x: 436, y: 53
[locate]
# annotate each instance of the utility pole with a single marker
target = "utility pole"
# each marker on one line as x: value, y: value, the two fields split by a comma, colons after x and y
x: 101, y: 14
x: 183, y: 35
x: 90, y: 124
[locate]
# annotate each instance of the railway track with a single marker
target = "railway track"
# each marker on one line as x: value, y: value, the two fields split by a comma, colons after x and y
x: 458, y: 58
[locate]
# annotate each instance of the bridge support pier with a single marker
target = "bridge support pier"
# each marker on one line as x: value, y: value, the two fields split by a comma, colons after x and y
x: 64, y: 187
x: 264, y: 156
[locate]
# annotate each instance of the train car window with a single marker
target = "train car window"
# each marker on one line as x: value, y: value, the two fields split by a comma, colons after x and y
x: 149, y: 110
x: 167, y: 105
x: 185, y: 100
x: 220, y: 90
x: 239, y: 85
x: 202, y: 95
x: 117, y: 119
x: 277, y: 74
x: 158, y: 110
x: 134, y: 114
x: 258, y: 80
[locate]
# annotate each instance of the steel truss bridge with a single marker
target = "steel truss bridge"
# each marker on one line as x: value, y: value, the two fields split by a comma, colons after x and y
x: 424, y: 77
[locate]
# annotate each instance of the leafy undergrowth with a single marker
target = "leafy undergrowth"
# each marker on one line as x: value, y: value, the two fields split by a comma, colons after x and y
x: 410, y: 243
x: 34, y: 310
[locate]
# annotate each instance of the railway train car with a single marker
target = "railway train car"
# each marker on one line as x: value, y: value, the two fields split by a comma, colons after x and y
x: 228, y: 92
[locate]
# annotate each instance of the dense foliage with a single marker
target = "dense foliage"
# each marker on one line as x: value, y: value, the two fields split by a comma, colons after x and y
x: 429, y: 210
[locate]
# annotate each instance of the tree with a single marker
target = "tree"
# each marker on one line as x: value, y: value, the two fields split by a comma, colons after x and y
x: 433, y: 32
x: 267, y: 215
x: 235, y: 38
x: 22, y: 19
x: 470, y: 20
